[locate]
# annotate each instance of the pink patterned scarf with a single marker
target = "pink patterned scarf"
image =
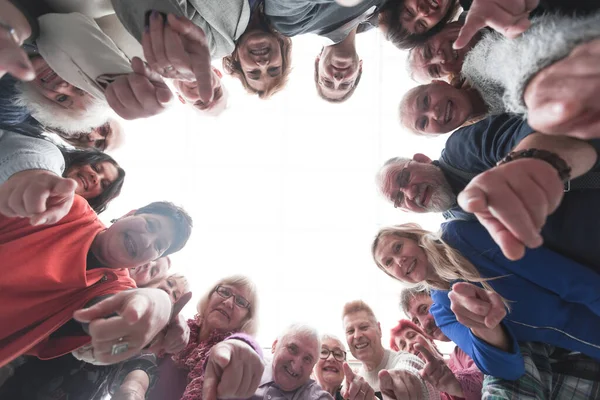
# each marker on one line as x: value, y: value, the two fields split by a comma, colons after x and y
x: 193, y: 357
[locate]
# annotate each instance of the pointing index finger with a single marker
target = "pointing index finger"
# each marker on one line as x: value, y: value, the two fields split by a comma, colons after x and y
x: 348, y: 373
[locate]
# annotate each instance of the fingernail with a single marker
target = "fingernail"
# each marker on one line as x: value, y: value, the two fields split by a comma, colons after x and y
x: 155, y: 14
x: 147, y: 28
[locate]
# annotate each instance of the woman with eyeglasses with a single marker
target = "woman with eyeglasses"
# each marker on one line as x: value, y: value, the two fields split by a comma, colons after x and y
x: 329, y: 371
x: 226, y: 312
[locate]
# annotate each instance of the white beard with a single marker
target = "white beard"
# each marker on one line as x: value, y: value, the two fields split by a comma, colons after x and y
x: 69, y: 122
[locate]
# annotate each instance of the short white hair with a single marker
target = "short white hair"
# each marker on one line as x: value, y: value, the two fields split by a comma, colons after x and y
x: 302, y: 330
x: 328, y: 336
x: 50, y: 114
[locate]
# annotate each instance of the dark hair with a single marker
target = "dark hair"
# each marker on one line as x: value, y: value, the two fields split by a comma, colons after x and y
x: 232, y: 65
x: 341, y: 99
x: 389, y: 18
x: 181, y: 219
x: 76, y: 158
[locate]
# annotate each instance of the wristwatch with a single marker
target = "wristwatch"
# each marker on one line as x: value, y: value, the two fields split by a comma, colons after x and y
x: 561, y: 166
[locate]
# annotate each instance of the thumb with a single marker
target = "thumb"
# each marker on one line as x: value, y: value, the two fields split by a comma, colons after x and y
x: 518, y: 28
x: 221, y: 356
x: 102, y: 309
x: 135, y: 308
x: 385, y: 379
x: 473, y: 200
x: 64, y: 186
x: 348, y: 372
x: 163, y: 93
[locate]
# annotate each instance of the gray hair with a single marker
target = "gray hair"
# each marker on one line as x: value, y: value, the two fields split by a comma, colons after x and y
x: 382, y: 178
x: 328, y: 336
x: 303, y: 330
x: 409, y: 293
x: 50, y: 114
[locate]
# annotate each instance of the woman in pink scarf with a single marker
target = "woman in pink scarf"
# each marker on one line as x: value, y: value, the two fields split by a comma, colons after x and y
x: 226, y: 312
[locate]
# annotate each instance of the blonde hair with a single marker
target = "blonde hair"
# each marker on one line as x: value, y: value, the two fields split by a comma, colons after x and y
x: 446, y: 261
x: 356, y: 306
x: 250, y: 323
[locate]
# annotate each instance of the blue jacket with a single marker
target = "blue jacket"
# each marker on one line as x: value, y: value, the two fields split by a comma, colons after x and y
x: 552, y: 298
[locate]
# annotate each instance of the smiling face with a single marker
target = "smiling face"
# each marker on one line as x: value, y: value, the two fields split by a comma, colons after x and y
x: 435, y: 108
x: 93, y: 179
x: 436, y: 59
x: 150, y: 273
x: 363, y: 335
x: 418, y: 312
x: 419, y: 16
x: 259, y: 54
x: 417, y: 186
x: 174, y: 286
x: 337, y: 72
x: 56, y: 89
x: 329, y: 370
x: 134, y: 240
x: 293, y: 361
x: 188, y: 93
x: 408, y: 338
x: 402, y: 258
x: 224, y: 314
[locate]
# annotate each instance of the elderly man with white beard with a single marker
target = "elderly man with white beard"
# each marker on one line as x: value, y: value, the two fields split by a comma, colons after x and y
x: 395, y: 375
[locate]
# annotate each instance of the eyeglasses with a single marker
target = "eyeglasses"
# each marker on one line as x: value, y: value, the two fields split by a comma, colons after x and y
x: 338, y: 354
x: 226, y: 293
x: 401, y: 180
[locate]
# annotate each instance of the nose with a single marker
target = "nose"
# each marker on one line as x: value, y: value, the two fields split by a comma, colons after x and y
x: 410, y: 191
x: 423, y: 9
x: 262, y: 61
x: 436, y: 111
x: 401, y: 261
x: 338, y: 75
x: 229, y: 301
x: 93, y: 177
x: 439, y: 57
x: 330, y: 355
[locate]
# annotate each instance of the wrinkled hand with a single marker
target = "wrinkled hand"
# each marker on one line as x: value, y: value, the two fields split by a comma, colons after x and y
x: 437, y: 373
x: 141, y: 315
x: 476, y: 308
x: 400, y: 385
x: 13, y: 59
x: 233, y: 371
x: 509, y: 17
x: 355, y: 386
x: 563, y: 98
x: 42, y: 196
x: 176, y: 335
x: 139, y: 94
x: 512, y: 202
x: 178, y: 50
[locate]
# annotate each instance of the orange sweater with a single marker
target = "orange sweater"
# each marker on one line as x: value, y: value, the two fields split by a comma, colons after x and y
x: 44, y: 280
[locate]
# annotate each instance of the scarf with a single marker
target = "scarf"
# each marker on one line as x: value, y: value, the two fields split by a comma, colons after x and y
x: 193, y: 358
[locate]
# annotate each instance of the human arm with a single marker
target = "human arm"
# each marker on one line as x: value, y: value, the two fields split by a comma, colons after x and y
x: 233, y: 370
x: 404, y: 380
x: 509, y: 17
x: 123, y: 324
x: 140, y: 94
x: 12, y: 57
x: 512, y: 200
x: 355, y: 386
x: 489, y: 359
x: 134, y: 386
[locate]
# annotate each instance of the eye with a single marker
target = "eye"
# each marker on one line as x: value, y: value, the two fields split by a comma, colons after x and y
x: 407, y: 12
x: 349, y: 331
x: 150, y: 227
x: 274, y: 71
x: 105, y: 184
x: 410, y: 335
x: 427, y: 52
x: 226, y: 292
x: 100, y: 144
x: 153, y: 272
x: 61, y: 98
x: 426, y: 101
x: 96, y: 168
x: 324, y: 352
x: 388, y: 262
x: 307, y: 360
x: 254, y: 74
x: 327, y: 83
x: 422, y: 124
x: 344, y: 86
x: 416, y: 322
x: 364, y: 327
x: 422, y: 27
x: 397, y: 247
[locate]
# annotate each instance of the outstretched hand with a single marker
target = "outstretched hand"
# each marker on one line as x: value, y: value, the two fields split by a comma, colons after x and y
x: 512, y: 202
x: 436, y: 372
x: 355, y: 386
x: 139, y: 94
x: 399, y: 385
x: 41, y: 196
x: 509, y: 17
x: 178, y: 49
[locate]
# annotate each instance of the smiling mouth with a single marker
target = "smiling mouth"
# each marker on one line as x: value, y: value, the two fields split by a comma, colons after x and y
x: 331, y: 369
x: 411, y: 267
x: 361, y: 346
x: 263, y: 51
x: 448, y: 113
x: 130, y: 246
x: 433, y: 4
x: 222, y: 313
x: 83, y: 181
x: 290, y: 372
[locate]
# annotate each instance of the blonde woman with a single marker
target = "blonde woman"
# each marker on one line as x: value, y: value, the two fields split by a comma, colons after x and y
x: 486, y: 303
x: 226, y: 312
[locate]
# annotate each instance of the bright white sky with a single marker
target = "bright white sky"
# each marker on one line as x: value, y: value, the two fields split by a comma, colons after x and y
x: 283, y: 190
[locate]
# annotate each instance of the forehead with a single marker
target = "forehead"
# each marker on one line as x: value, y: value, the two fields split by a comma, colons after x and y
x: 358, y: 317
x: 110, y: 171
x: 385, y: 243
x: 332, y: 343
x: 417, y: 301
x: 305, y: 343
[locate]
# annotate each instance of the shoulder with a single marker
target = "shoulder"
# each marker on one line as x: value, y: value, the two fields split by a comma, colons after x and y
x: 314, y: 391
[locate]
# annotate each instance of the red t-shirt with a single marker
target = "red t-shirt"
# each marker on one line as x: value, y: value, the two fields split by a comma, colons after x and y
x: 44, y: 280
